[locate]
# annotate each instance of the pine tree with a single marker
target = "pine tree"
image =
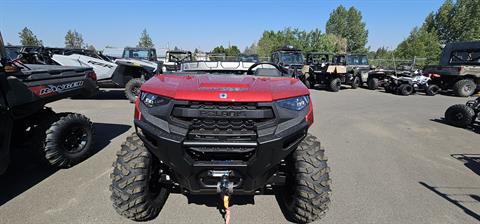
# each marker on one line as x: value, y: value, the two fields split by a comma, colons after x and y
x: 145, y: 40
x: 27, y: 38
x: 73, y: 39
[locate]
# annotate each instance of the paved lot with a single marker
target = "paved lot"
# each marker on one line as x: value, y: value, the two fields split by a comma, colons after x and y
x: 392, y: 161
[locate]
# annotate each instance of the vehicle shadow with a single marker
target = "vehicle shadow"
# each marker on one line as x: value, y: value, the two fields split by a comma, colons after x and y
x: 450, y: 197
x: 106, y: 94
x: 471, y: 161
x: 475, y: 127
x: 26, y: 170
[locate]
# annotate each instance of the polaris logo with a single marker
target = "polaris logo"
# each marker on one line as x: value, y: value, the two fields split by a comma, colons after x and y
x: 223, y: 96
x: 61, y: 88
x: 219, y: 113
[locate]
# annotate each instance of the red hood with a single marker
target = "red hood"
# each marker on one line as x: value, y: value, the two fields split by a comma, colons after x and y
x: 237, y: 88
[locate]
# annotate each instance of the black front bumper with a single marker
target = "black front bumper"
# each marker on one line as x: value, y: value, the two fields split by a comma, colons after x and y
x: 169, y: 144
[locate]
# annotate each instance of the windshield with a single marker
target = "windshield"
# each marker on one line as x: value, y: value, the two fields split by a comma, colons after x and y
x: 179, y: 56
x: 137, y: 54
x: 465, y: 57
x: 357, y: 60
x: 318, y: 58
x: 291, y: 58
x: 12, y: 52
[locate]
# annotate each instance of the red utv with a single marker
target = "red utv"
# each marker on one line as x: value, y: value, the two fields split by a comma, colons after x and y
x: 226, y: 128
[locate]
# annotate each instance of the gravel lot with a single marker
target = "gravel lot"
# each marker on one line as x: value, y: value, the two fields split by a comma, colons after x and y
x: 392, y: 159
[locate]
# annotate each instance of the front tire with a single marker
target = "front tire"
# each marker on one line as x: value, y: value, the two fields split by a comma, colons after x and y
x: 308, y: 84
x: 405, y: 89
x: 460, y: 115
x: 335, y: 84
x: 372, y: 83
x: 132, y: 89
x: 306, y: 194
x: 464, y: 87
x: 432, y: 90
x: 356, y: 82
x: 136, y: 192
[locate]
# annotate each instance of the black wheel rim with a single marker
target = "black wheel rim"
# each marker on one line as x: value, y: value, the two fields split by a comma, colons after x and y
x: 467, y: 88
x: 408, y: 89
x: 459, y: 116
x: 75, y: 139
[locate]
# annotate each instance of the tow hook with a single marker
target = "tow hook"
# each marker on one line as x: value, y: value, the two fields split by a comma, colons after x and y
x: 225, y: 188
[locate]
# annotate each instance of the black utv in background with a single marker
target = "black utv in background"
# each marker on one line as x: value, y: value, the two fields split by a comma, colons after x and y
x: 291, y: 60
x: 60, y: 139
x: 459, y: 68
x: 332, y: 71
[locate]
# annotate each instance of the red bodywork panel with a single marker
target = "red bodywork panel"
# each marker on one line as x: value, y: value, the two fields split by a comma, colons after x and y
x: 225, y: 88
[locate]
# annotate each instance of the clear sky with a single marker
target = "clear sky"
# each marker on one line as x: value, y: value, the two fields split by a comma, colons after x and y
x: 200, y: 24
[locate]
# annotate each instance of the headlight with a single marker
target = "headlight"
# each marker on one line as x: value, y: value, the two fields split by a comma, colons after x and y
x: 152, y: 100
x: 297, y: 103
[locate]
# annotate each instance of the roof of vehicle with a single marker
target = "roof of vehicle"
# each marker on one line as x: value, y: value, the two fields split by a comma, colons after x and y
x: 319, y: 53
x: 351, y: 54
x: 457, y: 46
x: 179, y: 52
x: 139, y: 48
x: 288, y: 48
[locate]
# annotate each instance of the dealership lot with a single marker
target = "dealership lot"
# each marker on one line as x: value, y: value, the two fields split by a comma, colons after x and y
x: 392, y: 160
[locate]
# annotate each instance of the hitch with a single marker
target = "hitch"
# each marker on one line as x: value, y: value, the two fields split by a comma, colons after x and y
x: 225, y: 188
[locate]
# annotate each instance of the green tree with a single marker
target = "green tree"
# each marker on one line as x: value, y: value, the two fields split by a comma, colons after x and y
x: 252, y: 49
x: 348, y: 24
x: 420, y: 43
x: 73, y: 39
x: 145, y: 40
x: 27, y: 38
x: 306, y: 41
x: 455, y: 21
x: 232, y: 51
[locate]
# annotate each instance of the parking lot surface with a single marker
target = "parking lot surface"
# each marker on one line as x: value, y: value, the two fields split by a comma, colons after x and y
x: 392, y: 160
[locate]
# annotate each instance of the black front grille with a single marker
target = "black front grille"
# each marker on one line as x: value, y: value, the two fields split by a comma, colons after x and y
x: 222, y: 131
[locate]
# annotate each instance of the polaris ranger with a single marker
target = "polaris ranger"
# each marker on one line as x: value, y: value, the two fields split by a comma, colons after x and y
x: 173, y: 60
x: 459, y: 68
x: 148, y: 54
x: 237, y: 131
x: 129, y: 73
x: 62, y: 139
x: 292, y: 60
